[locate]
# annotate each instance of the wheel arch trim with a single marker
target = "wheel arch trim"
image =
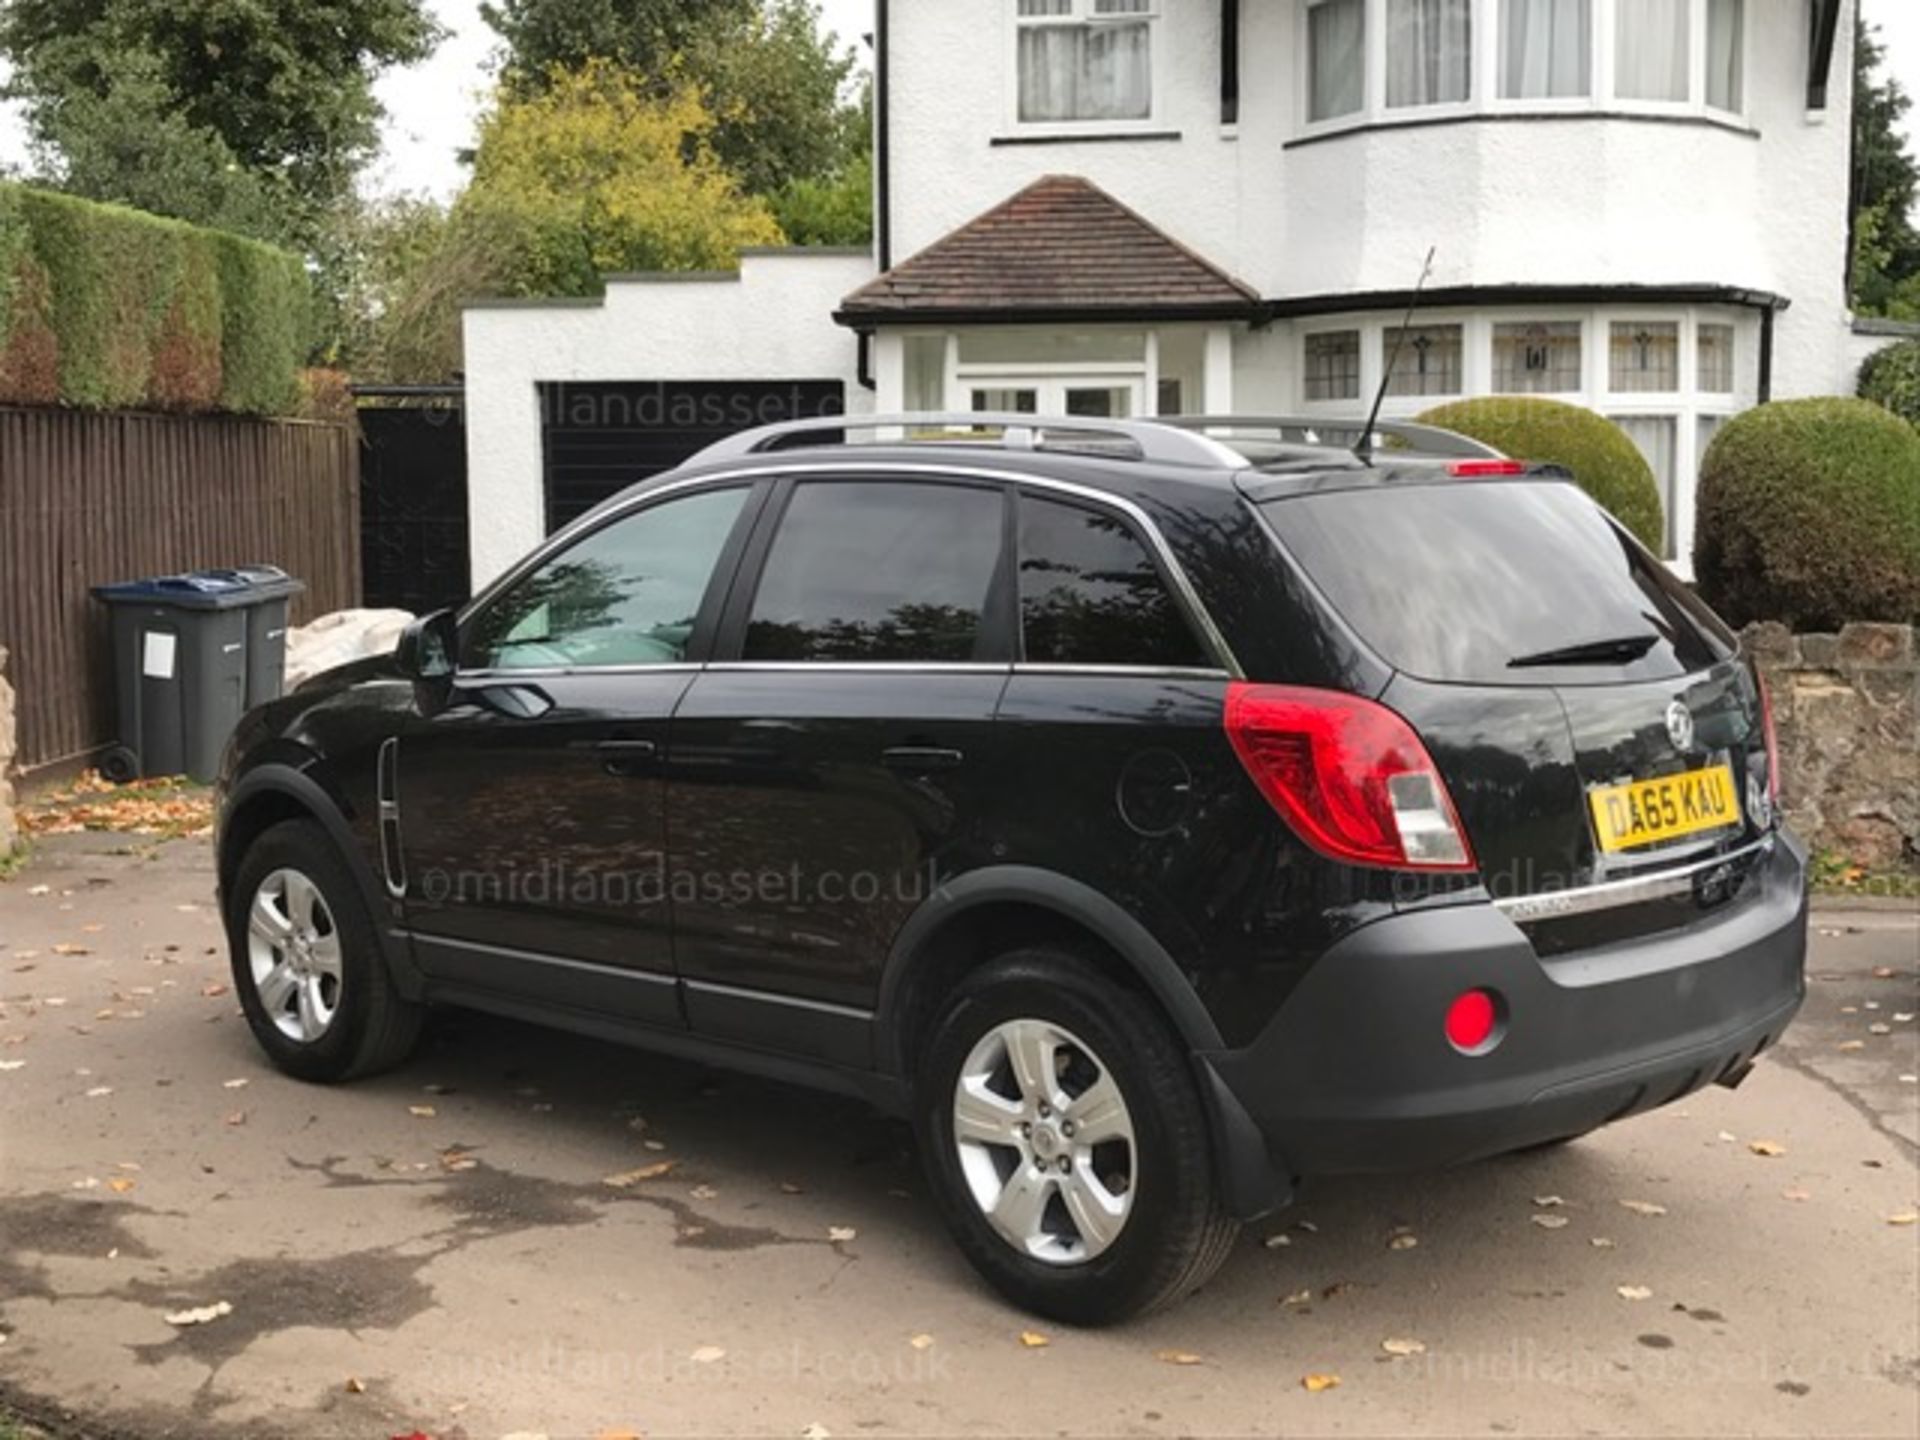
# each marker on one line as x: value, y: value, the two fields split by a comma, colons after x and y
x: 1073, y: 901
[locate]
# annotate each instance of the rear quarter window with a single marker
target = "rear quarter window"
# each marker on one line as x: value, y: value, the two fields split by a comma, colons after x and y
x: 1457, y: 580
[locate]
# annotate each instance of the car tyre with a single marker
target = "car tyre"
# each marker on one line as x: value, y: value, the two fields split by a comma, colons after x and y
x: 1149, y: 1203
x: 307, y: 963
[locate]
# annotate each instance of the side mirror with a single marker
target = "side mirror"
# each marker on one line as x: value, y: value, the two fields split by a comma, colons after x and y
x: 430, y: 646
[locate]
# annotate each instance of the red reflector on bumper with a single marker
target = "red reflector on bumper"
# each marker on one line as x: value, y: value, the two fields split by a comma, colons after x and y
x: 1472, y: 1021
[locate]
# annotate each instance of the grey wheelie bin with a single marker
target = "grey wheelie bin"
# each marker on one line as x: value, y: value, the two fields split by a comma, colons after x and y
x: 192, y: 654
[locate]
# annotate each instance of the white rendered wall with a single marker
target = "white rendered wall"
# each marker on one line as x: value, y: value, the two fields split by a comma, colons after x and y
x: 1558, y: 199
x: 772, y: 321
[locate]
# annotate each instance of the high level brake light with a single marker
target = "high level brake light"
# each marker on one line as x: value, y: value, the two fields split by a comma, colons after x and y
x: 1350, y: 776
x: 1478, y: 469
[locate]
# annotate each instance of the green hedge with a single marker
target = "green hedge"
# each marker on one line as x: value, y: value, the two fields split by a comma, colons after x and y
x: 109, y: 309
x: 1891, y: 377
x: 1809, y: 514
x: 1603, y: 458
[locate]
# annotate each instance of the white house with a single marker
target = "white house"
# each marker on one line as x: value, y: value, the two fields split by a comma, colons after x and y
x: 1153, y: 206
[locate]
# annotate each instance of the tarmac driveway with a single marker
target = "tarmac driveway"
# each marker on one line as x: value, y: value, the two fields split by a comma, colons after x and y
x: 439, y: 1250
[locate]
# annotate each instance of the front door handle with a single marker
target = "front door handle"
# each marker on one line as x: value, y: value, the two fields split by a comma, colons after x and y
x: 625, y: 757
x: 919, y: 759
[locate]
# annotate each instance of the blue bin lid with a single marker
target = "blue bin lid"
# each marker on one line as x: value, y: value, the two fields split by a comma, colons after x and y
x: 205, y: 589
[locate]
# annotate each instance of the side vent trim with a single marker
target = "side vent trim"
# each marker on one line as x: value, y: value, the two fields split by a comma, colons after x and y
x: 393, y: 860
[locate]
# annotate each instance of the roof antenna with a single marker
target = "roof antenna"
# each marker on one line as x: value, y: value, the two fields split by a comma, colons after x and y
x: 1363, y: 452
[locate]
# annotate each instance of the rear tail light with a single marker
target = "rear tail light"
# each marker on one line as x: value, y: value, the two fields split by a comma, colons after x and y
x: 1773, y: 738
x: 1351, y: 777
x: 1478, y: 469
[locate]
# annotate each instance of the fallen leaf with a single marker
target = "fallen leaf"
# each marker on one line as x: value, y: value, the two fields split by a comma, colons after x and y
x: 619, y: 1435
x: 816, y: 1431
x: 1314, y: 1384
x: 1643, y: 1207
x: 239, y: 1084
x: 1551, y: 1222
x: 703, y: 1192
x: 238, y: 1117
x: 707, y: 1354
x: 1339, y: 1287
x: 67, y: 948
x: 921, y: 1342
x: 1879, y: 1028
x: 1600, y: 1242
x: 98, y: 1091
x: 1851, y: 1045
x: 1403, y: 1242
x: 1903, y: 1017
x: 1727, y: 1137
x: 1034, y: 1340
x: 1905, y: 1217
x: 1766, y: 1149
x: 1633, y: 1292
x: 422, y: 1112
x: 41, y: 890
x: 458, y: 1160
x: 1403, y: 1347
x: 205, y: 1314
x: 1298, y: 1297
x: 1306, y: 1225
x: 356, y: 1386
x: 1548, y: 1202
x: 634, y: 1177
x: 1178, y: 1357
x: 11, y: 1064
x: 655, y: 1145
x: 1278, y: 1242
x: 120, y: 1185
x: 841, y: 1234
x: 214, y: 990
x: 436, y: 1089
x: 1880, y: 972
x: 1795, y: 1194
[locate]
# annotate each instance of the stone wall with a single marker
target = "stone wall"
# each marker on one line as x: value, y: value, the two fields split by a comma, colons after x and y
x: 1845, y: 706
x: 9, y: 832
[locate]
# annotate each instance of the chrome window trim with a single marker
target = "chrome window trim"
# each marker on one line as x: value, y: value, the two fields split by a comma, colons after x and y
x: 563, y: 672
x: 1635, y: 889
x: 1185, y: 594
x: 860, y: 667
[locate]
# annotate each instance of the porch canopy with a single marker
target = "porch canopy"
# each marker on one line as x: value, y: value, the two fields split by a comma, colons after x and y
x: 1061, y: 251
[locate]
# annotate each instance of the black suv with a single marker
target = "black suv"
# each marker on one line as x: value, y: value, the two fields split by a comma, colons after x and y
x: 1157, y: 814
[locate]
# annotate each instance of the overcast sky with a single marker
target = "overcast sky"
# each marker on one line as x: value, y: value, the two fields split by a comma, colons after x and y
x: 431, y: 106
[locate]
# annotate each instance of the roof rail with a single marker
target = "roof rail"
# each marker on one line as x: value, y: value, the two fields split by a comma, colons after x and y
x: 1339, y: 432
x: 1154, y: 441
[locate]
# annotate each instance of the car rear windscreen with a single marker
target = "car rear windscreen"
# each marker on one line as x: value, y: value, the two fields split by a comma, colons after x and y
x: 1511, y: 582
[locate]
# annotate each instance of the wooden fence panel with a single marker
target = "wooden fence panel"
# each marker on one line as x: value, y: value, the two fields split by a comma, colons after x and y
x: 88, y: 499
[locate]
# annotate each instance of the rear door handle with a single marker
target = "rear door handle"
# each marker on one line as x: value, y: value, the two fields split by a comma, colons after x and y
x: 921, y: 758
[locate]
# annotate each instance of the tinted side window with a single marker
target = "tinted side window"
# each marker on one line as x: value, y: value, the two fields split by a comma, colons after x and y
x: 1090, y: 593
x: 626, y: 595
x: 881, y: 570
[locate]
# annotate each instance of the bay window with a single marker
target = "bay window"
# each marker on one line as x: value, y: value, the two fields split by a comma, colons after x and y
x: 1427, y: 360
x: 1546, y: 49
x: 1333, y: 365
x: 1536, y: 359
x: 1085, y: 60
x: 1380, y: 60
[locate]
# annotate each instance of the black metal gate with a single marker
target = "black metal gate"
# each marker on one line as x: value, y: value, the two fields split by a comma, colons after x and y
x: 413, y: 499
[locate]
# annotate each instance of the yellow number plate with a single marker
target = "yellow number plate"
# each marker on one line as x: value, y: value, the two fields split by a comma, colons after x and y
x: 1646, y: 812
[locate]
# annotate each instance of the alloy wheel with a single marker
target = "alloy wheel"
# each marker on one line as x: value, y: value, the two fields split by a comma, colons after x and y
x: 293, y: 952
x: 1045, y: 1142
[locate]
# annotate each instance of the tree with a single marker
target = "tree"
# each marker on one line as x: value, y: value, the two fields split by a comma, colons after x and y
x: 1885, y: 186
x: 282, y: 92
x: 602, y: 173
x: 774, y: 82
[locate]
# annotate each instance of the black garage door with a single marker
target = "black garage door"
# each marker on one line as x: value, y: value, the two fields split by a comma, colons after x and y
x: 601, y: 437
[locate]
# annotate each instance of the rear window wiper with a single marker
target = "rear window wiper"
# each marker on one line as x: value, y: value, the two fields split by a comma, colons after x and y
x: 1619, y: 650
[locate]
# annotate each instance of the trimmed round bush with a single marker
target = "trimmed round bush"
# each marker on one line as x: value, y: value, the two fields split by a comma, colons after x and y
x: 1891, y: 378
x: 1810, y: 515
x: 1603, y: 459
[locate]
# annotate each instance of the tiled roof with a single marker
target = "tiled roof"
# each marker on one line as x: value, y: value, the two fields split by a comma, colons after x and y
x: 1061, y: 247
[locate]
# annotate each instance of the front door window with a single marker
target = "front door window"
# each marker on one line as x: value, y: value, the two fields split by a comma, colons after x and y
x: 1118, y: 398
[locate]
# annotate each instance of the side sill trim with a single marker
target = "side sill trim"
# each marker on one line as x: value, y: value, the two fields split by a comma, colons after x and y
x: 556, y: 962
x: 1635, y: 890
x: 767, y: 997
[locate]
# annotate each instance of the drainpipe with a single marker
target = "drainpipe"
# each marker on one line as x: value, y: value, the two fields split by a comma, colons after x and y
x: 1766, y: 353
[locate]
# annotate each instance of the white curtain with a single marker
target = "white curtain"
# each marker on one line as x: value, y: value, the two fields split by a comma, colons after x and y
x: 1086, y: 72
x: 1657, y: 438
x: 1725, y: 42
x: 1429, y: 51
x: 1546, y: 48
x: 1650, y: 49
x: 1336, y: 46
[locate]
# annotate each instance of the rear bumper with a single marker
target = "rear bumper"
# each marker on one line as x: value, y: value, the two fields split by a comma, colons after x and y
x: 1355, y: 1073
